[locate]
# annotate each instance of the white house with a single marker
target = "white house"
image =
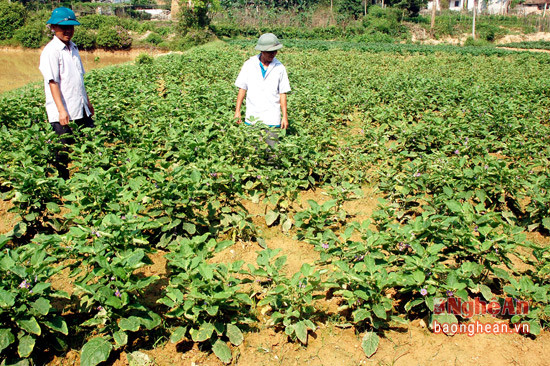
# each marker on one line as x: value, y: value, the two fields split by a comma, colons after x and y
x: 483, y: 6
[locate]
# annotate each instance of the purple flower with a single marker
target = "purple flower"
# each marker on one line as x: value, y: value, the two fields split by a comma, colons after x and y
x: 117, y: 293
x: 456, y: 152
x: 325, y: 245
x: 417, y: 174
x: 486, y: 167
x: 476, y: 228
x: 24, y: 284
x: 450, y: 293
x: 214, y: 175
x: 423, y: 292
x: 123, y: 217
x: 258, y: 177
x: 401, y: 246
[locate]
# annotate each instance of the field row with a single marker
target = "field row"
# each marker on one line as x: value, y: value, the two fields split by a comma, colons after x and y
x: 456, y: 142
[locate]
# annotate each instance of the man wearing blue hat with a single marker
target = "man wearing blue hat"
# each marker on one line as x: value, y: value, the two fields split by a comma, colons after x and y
x: 66, y: 97
x: 264, y: 81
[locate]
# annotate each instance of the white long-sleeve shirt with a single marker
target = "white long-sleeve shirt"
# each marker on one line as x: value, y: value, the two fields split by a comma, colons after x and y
x: 62, y: 64
x: 263, y: 93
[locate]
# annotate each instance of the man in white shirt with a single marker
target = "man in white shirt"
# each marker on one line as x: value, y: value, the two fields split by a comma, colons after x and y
x: 264, y: 81
x: 66, y: 97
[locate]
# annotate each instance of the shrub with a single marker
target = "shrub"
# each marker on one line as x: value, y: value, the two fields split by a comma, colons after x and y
x: 352, y: 8
x: 31, y: 35
x: 386, y: 21
x: 192, y: 38
x: 84, y: 38
x: 96, y: 21
x: 116, y: 38
x: 144, y: 59
x: 489, y: 32
x: 12, y: 17
x: 154, y: 38
x: 470, y: 42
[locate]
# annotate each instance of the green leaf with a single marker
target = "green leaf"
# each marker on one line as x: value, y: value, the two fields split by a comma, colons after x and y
x: 370, y: 343
x: 132, y: 324
x: 447, y: 319
x: 120, y: 338
x: 361, y: 315
x: 178, y: 334
x: 95, y: 351
x: 57, y: 324
x: 26, y: 345
x: 30, y: 325
x: 486, y: 292
x: 19, y: 229
x: 234, y: 334
x: 546, y: 223
x: 203, y: 333
x: 222, y: 350
x: 7, y: 300
x: 262, y: 243
x: 379, y: 311
x: 301, y: 331
x: 287, y: 225
x: 222, y: 245
x: 190, y: 228
x: 41, y: 306
x: 454, y: 206
x: 534, y: 327
x: 52, y: 207
x: 419, y: 277
x: 6, y: 338
x: 270, y: 217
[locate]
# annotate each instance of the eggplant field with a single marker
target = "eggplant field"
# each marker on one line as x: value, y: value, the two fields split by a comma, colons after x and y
x: 452, y: 143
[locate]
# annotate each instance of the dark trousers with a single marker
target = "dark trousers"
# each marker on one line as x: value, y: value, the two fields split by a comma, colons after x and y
x: 61, y: 159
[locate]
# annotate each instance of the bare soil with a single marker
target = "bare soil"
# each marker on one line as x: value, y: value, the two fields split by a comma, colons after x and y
x: 19, y: 66
x: 7, y: 219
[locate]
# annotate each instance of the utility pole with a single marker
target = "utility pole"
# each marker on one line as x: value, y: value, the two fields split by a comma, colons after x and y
x: 474, y: 22
x: 434, y: 6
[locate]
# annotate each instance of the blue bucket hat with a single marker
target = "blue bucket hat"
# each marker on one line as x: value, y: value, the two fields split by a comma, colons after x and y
x: 63, y: 16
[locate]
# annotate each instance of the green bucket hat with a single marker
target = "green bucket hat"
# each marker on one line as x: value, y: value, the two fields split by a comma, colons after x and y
x: 63, y: 16
x: 268, y: 42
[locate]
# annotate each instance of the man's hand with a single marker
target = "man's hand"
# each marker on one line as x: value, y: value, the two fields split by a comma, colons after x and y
x: 284, y: 118
x: 63, y: 118
x: 284, y: 123
x: 240, y: 98
x: 91, y: 108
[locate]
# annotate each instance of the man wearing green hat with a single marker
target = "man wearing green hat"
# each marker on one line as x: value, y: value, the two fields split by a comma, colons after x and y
x: 264, y: 81
x: 66, y: 97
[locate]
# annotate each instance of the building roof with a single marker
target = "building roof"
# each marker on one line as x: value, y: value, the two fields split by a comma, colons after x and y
x: 536, y: 2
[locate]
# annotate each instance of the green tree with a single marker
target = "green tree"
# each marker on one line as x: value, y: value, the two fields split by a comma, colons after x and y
x: 411, y: 6
x: 196, y: 14
x: 12, y: 17
x: 352, y: 8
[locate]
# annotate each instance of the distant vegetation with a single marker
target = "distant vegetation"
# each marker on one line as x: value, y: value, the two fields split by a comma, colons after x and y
x: 122, y: 26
